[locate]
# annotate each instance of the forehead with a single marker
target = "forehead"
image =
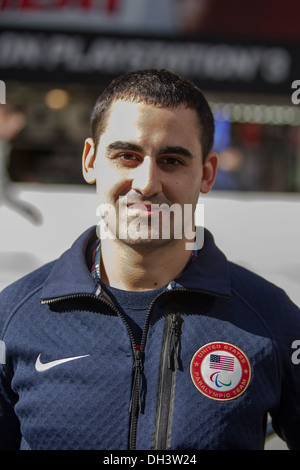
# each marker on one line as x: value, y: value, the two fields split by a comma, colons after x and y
x: 125, y: 117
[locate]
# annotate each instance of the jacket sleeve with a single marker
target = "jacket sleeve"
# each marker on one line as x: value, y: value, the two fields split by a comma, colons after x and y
x: 10, y: 435
x: 286, y: 418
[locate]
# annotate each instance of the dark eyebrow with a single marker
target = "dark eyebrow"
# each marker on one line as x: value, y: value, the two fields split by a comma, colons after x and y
x: 175, y: 150
x: 165, y: 150
x: 119, y: 145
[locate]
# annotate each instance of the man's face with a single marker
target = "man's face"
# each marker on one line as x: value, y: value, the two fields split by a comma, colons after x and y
x: 148, y: 156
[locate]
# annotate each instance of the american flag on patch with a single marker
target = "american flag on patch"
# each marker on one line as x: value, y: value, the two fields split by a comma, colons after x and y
x: 217, y: 361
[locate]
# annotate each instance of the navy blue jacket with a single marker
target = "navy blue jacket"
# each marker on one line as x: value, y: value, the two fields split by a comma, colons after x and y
x: 215, y: 359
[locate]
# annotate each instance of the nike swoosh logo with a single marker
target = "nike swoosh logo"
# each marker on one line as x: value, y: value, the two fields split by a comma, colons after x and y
x: 42, y: 367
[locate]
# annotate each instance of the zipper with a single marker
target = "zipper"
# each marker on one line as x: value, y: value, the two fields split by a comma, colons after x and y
x: 135, y: 405
x: 169, y: 363
x: 174, y: 334
x: 170, y: 356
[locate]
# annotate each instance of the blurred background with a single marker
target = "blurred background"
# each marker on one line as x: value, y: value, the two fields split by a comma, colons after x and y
x: 56, y: 56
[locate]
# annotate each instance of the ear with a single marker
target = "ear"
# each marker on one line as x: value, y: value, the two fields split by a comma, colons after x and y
x: 88, y: 161
x: 209, y: 172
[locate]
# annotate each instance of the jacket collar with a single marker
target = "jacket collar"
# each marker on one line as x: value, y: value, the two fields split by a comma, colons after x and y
x: 71, y: 275
x: 208, y: 272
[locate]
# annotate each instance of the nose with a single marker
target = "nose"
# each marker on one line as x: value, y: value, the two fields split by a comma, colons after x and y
x: 147, y: 178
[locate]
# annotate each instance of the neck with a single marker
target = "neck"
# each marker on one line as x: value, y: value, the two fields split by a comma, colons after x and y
x: 135, y: 269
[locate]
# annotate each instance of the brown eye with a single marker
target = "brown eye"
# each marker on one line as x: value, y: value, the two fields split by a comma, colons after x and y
x: 172, y: 161
x: 128, y: 157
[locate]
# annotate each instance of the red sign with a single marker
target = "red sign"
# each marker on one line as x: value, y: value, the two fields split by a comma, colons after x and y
x: 109, y: 6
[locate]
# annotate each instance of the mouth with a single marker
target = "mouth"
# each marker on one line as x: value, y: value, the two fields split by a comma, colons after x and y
x: 143, y: 210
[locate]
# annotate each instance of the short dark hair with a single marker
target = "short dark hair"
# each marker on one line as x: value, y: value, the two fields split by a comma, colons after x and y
x: 159, y: 88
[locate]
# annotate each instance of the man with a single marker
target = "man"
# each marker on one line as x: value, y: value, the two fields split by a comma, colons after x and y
x: 142, y: 341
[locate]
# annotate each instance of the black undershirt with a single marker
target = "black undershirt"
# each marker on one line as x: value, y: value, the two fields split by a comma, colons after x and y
x: 134, y: 306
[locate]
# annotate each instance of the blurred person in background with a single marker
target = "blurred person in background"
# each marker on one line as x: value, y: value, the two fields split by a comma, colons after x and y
x: 12, y: 122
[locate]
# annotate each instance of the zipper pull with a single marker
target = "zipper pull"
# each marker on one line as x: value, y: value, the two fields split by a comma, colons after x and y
x: 136, y: 383
x: 174, y: 336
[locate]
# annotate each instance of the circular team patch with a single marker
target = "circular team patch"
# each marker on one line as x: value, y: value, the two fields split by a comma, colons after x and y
x: 220, y: 371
